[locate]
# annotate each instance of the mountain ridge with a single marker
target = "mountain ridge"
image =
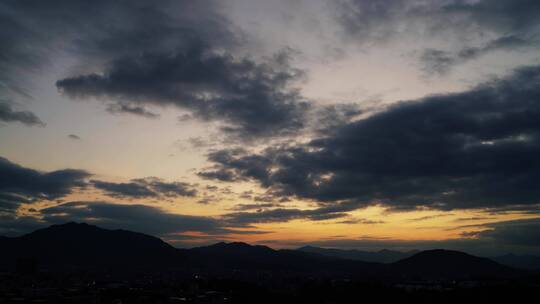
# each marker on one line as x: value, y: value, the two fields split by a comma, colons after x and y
x: 450, y: 263
x: 382, y: 256
x: 74, y: 244
x: 80, y: 245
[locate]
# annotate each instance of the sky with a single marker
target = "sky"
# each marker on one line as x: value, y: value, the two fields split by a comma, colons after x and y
x: 398, y: 124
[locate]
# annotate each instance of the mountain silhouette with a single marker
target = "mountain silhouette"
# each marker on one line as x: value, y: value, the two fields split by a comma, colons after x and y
x: 83, y: 246
x: 382, y: 256
x: 75, y: 245
x: 529, y: 262
x: 449, y: 264
x: 243, y: 256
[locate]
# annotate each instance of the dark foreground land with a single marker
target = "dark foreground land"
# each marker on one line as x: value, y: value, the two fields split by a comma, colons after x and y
x: 79, y: 263
x: 171, y: 288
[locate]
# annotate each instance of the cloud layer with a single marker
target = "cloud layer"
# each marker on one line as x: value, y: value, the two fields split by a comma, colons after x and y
x: 370, y: 21
x: 475, y: 28
x: 175, y: 53
x: 145, y: 188
x: 23, y: 185
x: 251, y: 99
x: 135, y: 217
x: 475, y: 149
x: 20, y: 185
x: 97, y: 33
x: 7, y: 114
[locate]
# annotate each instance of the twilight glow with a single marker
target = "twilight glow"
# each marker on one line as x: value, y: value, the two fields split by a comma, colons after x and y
x: 404, y: 124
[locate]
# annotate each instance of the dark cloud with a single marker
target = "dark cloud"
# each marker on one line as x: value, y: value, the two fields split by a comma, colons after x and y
x: 529, y: 209
x: 437, y: 61
x: 360, y: 221
x: 130, y: 109
x: 7, y: 114
x: 245, y: 207
x: 328, y: 118
x: 430, y: 217
x: 145, y: 188
x: 523, y: 232
x: 134, y: 217
x: 107, y: 29
x: 199, y: 142
x: 239, y: 166
x: 506, y: 16
x: 93, y: 34
x: 172, y: 53
x: 12, y: 225
x: 220, y: 174
x: 474, y: 149
x: 24, y: 185
x: 473, y: 218
x: 440, y: 62
x: 500, y: 24
x: 131, y: 190
x: 284, y: 215
x: 271, y: 216
x: 251, y: 99
x: 207, y: 200
x: 169, y: 189
x: 9, y: 202
x: 74, y: 137
x: 370, y: 21
x: 264, y: 198
x: 247, y: 195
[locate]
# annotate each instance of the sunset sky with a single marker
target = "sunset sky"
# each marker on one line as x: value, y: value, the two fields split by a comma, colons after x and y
x: 399, y: 124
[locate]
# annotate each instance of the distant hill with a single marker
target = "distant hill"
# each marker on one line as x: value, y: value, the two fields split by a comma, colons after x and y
x: 83, y: 246
x: 74, y: 245
x: 449, y: 264
x: 529, y: 262
x: 247, y: 257
x: 382, y: 256
x: 87, y: 247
